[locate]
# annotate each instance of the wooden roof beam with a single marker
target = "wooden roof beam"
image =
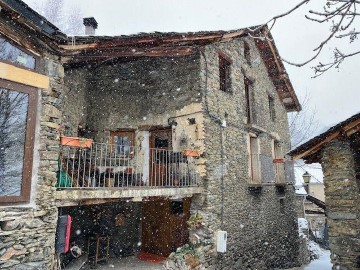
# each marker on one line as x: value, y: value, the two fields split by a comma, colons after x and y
x: 348, y: 130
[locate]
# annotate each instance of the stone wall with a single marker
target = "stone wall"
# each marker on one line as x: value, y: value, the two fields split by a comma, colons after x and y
x: 74, y: 99
x: 137, y: 94
x: 260, y: 221
x: 27, y: 232
x: 342, y: 204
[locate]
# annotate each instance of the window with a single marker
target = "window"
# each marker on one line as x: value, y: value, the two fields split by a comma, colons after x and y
x: 177, y: 207
x: 279, y: 163
x: 17, y: 129
x: 247, y: 55
x: 224, y: 71
x: 123, y: 142
x: 272, y: 108
x: 14, y: 55
x: 248, y: 101
x: 254, y: 161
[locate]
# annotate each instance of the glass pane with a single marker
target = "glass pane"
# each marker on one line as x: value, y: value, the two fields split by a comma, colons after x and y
x: 13, y: 115
x: 123, y: 144
x: 161, y: 143
x: 12, y: 54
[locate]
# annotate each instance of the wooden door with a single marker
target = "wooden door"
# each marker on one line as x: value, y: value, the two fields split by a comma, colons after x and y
x: 155, y: 228
x: 160, y: 143
x: 164, y: 228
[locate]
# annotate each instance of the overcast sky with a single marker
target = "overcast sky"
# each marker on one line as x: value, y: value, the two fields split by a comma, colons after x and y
x: 335, y: 94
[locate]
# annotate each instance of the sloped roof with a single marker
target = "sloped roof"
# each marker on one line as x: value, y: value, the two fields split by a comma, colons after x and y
x: 84, y: 49
x: 310, y: 148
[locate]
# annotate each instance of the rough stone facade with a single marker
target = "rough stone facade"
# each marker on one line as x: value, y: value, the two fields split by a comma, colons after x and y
x: 132, y: 95
x: 260, y: 222
x: 342, y: 204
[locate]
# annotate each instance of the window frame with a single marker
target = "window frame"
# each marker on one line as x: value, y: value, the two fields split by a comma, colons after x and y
x: 254, y: 160
x: 279, y: 162
x: 249, y: 101
x: 36, y: 57
x: 224, y: 73
x: 122, y: 133
x: 27, y: 170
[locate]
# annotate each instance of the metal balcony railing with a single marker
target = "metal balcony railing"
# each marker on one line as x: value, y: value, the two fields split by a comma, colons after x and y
x: 115, y: 166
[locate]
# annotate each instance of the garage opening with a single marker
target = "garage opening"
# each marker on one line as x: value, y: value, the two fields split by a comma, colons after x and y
x: 122, y: 234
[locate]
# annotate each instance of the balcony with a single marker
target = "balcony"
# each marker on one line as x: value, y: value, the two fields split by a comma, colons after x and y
x: 115, y: 171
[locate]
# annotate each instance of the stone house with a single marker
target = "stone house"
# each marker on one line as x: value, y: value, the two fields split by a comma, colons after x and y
x: 187, y: 140
x: 337, y: 150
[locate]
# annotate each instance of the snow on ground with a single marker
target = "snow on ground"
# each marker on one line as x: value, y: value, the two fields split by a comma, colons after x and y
x: 323, y: 263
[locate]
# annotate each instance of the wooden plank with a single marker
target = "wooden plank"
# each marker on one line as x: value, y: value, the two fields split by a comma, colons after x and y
x: 27, y: 77
x: 353, y: 130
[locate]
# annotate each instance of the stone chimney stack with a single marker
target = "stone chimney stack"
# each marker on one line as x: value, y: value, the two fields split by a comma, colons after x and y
x: 90, y: 26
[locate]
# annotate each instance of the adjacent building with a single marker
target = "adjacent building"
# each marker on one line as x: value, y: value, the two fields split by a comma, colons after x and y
x: 337, y: 150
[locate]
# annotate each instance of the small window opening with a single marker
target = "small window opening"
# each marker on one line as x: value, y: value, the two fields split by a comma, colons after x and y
x: 224, y: 71
x: 191, y: 121
x: 177, y: 207
x: 248, y: 101
x: 247, y: 55
x: 272, y: 109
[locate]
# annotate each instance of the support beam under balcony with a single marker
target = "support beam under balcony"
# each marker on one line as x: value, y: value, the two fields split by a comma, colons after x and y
x: 72, y: 197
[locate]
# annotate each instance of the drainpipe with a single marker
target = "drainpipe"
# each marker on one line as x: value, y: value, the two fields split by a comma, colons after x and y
x: 222, y: 125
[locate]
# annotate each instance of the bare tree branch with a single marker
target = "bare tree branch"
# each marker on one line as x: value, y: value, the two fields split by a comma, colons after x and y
x: 342, y: 15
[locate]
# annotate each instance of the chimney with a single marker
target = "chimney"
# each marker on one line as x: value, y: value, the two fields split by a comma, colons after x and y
x: 90, y: 26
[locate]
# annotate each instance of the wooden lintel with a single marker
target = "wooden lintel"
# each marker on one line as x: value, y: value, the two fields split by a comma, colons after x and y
x: 19, y: 75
